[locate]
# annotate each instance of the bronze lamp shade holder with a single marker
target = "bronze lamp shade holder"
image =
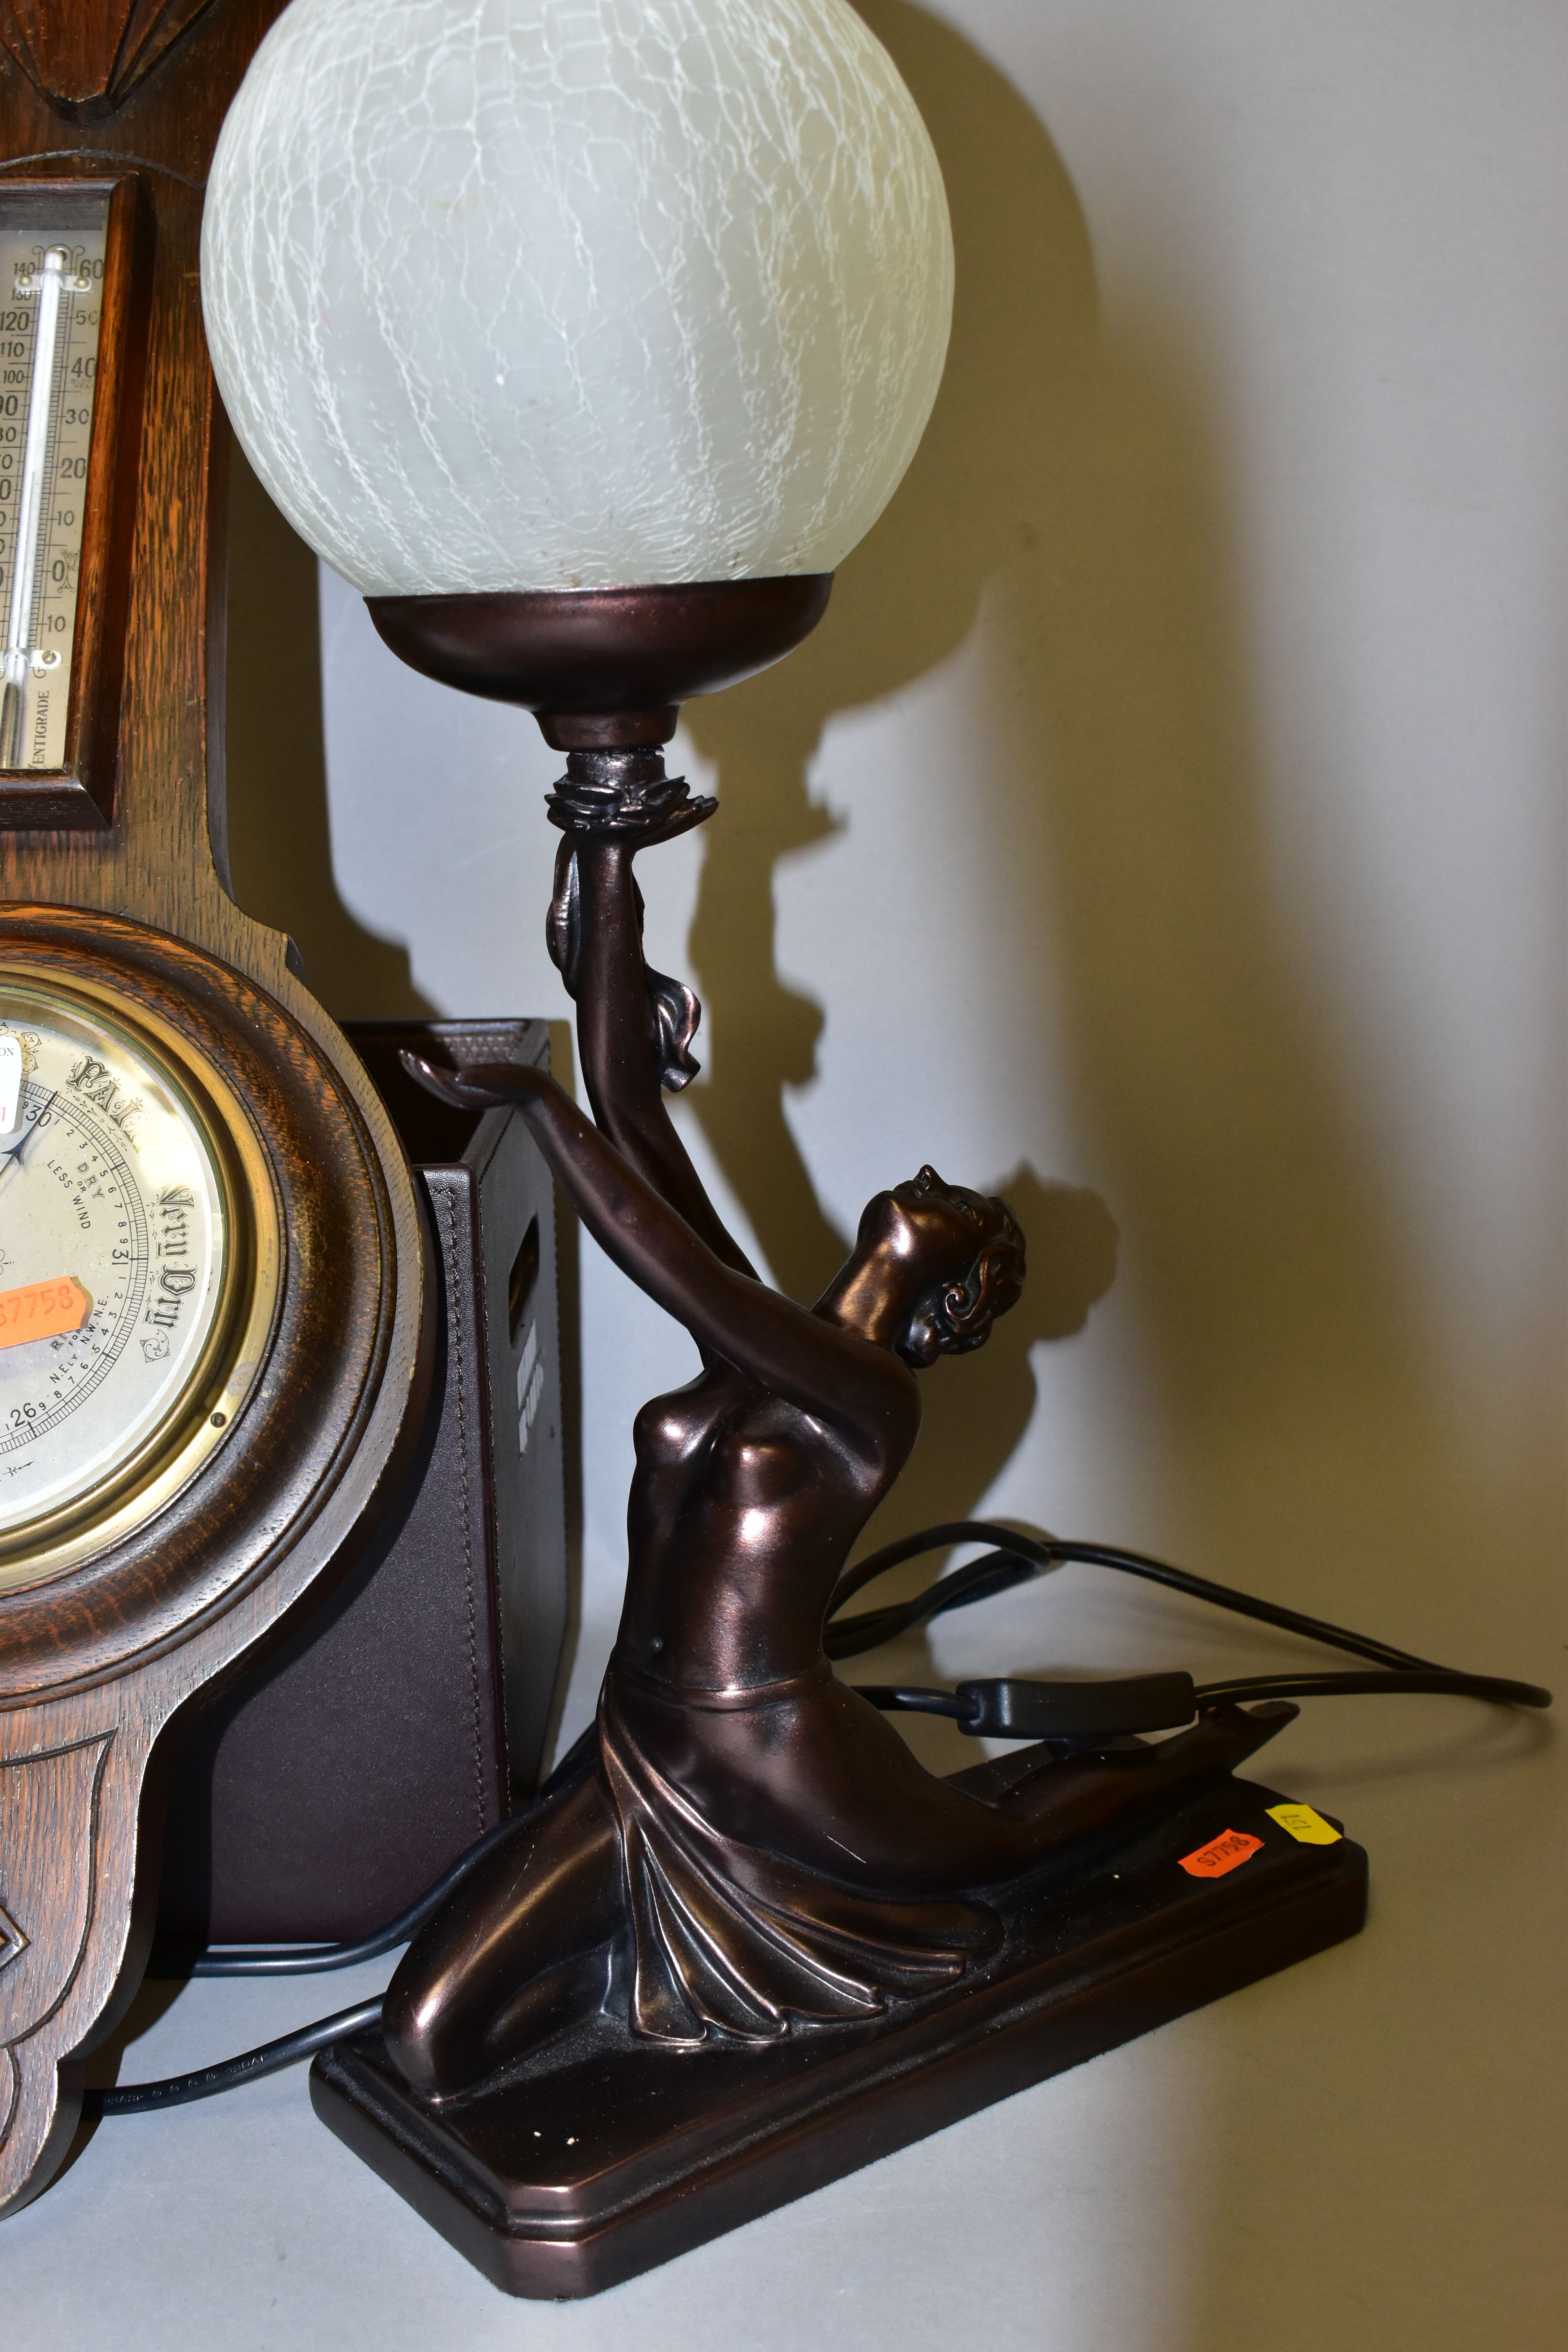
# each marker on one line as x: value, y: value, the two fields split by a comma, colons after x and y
x: 605, y: 669
x: 743, y: 1943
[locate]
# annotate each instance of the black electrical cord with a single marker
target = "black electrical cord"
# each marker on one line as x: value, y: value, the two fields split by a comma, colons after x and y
x: 178, y: 2090
x: 1089, y: 1712
x: 1034, y: 1710
x: 1066, y: 1714
x: 1020, y: 1556
x: 1449, y: 1684
x: 313, y: 1959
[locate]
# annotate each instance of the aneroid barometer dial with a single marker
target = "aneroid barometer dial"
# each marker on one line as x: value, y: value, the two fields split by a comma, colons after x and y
x: 126, y: 1264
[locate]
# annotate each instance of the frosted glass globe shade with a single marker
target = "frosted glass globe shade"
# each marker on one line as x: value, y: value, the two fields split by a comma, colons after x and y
x: 526, y: 294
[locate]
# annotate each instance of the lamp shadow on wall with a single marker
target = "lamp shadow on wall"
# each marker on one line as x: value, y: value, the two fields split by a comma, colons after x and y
x: 907, y: 598
x: 1071, y: 478
x: 1073, y: 497
x: 279, y: 842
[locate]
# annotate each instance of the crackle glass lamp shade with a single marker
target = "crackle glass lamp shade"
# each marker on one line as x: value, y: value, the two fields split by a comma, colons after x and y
x: 513, y: 295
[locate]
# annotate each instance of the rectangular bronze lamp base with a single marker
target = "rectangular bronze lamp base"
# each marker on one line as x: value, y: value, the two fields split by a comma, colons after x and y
x: 604, y: 2155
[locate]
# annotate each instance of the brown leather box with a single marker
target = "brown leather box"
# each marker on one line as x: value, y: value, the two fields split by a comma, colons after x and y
x: 326, y: 1788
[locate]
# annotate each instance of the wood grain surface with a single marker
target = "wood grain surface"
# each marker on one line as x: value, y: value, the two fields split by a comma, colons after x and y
x: 86, y: 57
x: 94, y: 1665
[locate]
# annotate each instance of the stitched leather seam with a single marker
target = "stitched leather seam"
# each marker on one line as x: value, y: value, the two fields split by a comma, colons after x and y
x: 454, y: 1336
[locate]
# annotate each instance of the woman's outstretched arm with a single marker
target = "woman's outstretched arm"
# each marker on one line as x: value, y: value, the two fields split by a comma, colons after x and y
x: 844, y: 1380
x: 618, y: 1038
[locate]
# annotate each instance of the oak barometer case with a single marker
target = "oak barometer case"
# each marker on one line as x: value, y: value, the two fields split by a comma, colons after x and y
x: 213, y: 1314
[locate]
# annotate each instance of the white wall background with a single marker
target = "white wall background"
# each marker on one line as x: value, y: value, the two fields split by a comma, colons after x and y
x: 1167, y: 822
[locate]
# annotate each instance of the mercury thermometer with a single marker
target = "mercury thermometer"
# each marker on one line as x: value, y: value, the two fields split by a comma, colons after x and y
x: 51, y: 316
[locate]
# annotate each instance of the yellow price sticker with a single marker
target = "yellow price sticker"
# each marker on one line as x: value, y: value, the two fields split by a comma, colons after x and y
x: 1304, y: 1825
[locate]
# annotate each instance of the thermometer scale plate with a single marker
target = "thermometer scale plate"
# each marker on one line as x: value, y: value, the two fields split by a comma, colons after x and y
x: 68, y: 395
x: 50, y: 314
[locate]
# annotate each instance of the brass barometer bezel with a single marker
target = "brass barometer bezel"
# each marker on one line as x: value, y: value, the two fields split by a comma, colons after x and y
x: 204, y: 1412
x: 324, y: 1213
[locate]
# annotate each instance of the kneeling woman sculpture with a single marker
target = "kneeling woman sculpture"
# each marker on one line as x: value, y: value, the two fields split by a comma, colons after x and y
x: 746, y: 1847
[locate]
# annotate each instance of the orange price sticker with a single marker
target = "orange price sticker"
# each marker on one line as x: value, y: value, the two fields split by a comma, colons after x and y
x: 42, y: 1310
x: 1226, y: 1852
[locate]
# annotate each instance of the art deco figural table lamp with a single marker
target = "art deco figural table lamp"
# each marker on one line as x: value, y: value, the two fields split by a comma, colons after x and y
x: 586, y: 337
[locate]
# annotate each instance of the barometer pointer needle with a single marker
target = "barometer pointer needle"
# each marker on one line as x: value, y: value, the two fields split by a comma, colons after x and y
x: 13, y: 1151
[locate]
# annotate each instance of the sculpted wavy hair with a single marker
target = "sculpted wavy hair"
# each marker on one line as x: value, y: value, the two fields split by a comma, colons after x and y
x: 951, y: 1318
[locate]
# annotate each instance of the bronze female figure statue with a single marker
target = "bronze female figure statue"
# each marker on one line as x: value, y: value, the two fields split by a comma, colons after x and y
x: 746, y: 1847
